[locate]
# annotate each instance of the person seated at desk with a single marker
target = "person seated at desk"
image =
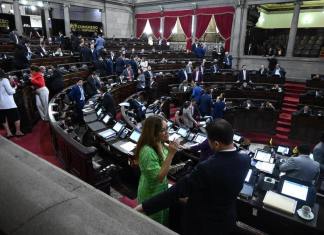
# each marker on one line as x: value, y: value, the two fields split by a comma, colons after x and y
x: 215, y: 68
x: 184, y: 86
x: 188, y: 113
x: 206, y: 103
x: 318, y: 154
x: 108, y: 102
x: 248, y: 104
x: 211, y: 188
x: 93, y: 84
x: 277, y: 88
x: 140, y: 80
x: 77, y: 96
x: 267, y: 105
x: 279, y: 72
x: 263, y: 72
x: 128, y: 73
x: 306, y: 111
x: 154, y: 160
x: 301, y: 167
x: 219, y: 107
x: 58, y: 52
x: 243, y: 75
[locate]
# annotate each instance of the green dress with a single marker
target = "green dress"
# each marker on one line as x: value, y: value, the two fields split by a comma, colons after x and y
x: 150, y: 165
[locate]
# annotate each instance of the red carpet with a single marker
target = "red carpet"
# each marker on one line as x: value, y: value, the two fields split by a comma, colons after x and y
x: 38, y: 142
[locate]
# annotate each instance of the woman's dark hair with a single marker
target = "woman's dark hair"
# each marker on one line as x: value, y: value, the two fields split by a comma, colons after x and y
x: 304, y: 149
x: 34, y: 68
x: 220, y: 130
x: 149, y: 136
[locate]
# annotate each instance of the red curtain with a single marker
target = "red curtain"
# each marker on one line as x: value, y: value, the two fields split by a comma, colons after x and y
x: 202, y: 24
x: 224, y: 24
x: 155, y: 26
x: 169, y: 23
x: 140, y: 25
x: 186, y: 22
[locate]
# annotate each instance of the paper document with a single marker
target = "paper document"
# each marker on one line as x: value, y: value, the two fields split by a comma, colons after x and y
x: 128, y: 146
x: 280, y: 202
x: 265, y: 167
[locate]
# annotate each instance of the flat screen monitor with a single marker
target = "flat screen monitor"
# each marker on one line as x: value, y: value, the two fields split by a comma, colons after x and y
x: 170, y: 124
x: 117, y: 127
x: 237, y: 138
x: 262, y: 156
x: 200, y: 138
x: 99, y: 112
x: 135, y: 136
x: 106, y: 119
x: 183, y: 132
x: 248, y: 176
x: 294, y: 190
x: 283, y: 150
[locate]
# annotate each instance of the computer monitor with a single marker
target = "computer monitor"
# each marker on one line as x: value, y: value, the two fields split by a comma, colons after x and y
x: 99, y: 112
x: 262, y: 156
x: 117, y: 127
x: 200, y: 138
x: 106, y: 119
x: 283, y: 150
x: 183, y: 132
x: 135, y: 136
x: 169, y: 123
x: 237, y: 138
x: 295, y: 190
x: 248, y: 176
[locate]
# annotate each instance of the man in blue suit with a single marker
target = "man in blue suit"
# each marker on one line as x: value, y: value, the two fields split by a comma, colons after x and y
x: 200, y: 52
x: 109, y: 66
x: 182, y: 75
x: 197, y: 92
x: 206, y: 103
x: 77, y: 96
x: 100, y: 43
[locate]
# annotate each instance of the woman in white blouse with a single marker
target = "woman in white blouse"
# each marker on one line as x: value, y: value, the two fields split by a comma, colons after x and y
x: 8, y: 107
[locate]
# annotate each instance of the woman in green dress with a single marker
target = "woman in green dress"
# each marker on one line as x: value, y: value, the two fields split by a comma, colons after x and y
x: 154, y: 160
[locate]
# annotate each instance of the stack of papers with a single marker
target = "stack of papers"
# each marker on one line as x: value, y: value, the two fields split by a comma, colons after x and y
x: 265, y: 167
x: 128, y: 146
x: 280, y: 202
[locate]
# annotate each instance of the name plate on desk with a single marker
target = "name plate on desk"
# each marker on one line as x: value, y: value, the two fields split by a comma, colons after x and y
x: 280, y: 202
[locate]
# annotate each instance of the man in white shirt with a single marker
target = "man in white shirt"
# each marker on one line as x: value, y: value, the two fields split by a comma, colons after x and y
x: 278, y: 71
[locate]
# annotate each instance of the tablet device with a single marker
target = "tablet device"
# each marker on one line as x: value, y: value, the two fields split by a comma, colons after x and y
x: 262, y: 156
x: 283, y: 150
x: 118, y: 127
x: 182, y: 132
x: 295, y: 190
x: 237, y: 138
x: 200, y: 138
x: 135, y: 136
x: 106, y: 119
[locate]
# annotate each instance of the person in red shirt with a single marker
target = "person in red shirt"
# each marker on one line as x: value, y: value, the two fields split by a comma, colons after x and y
x: 38, y: 81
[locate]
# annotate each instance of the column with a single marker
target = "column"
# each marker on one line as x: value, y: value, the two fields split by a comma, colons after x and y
x: 243, y: 30
x: 46, y: 16
x: 194, y: 23
x: 18, y: 20
x: 103, y: 21
x: 236, y: 31
x: 293, y: 30
x: 162, y: 26
x: 67, y: 20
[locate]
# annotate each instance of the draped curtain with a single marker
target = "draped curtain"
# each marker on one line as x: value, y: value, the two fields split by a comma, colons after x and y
x: 169, y: 23
x: 185, y: 22
x: 224, y: 25
x: 155, y: 26
x: 202, y: 24
x: 140, y: 25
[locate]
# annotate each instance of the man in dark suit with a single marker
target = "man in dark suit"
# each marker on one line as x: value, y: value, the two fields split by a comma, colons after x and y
x: 228, y: 60
x: 93, y: 84
x: 120, y: 65
x: 108, y: 102
x: 134, y: 66
x: 263, y: 72
x: 279, y: 72
x: 86, y: 54
x: 205, y: 103
x: 148, y: 78
x: 197, y: 75
x: 243, y: 75
x: 109, y: 66
x: 94, y: 54
x: 128, y: 73
x: 77, y: 96
x: 182, y: 75
x: 14, y: 37
x: 214, y: 68
x: 54, y: 82
x: 211, y: 188
x: 199, y: 51
x: 20, y: 55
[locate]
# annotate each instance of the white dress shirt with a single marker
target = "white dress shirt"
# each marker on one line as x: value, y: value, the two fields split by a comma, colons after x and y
x: 6, y: 95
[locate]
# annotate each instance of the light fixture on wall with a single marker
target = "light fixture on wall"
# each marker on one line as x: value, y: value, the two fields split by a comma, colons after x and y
x: 3, y: 6
x: 40, y: 4
x: 33, y: 8
x: 24, y: 2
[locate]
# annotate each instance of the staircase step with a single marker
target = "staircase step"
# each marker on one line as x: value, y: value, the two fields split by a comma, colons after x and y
x: 283, y: 130
x: 283, y: 123
x: 291, y: 100
x: 288, y: 110
x: 288, y: 105
x: 285, y: 117
x: 279, y: 136
x: 295, y: 85
x: 292, y: 94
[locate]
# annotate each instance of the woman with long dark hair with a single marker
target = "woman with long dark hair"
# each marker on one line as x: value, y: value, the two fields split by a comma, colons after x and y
x: 154, y: 160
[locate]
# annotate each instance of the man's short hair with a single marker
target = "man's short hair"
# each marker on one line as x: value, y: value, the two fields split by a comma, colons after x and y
x: 304, y: 149
x: 220, y: 130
